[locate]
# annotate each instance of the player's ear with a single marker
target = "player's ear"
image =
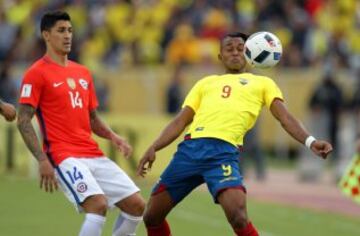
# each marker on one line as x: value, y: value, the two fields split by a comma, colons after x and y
x: 219, y: 57
x: 45, y: 35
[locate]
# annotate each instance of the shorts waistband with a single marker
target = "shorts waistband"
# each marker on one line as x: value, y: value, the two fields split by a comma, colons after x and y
x: 239, y: 147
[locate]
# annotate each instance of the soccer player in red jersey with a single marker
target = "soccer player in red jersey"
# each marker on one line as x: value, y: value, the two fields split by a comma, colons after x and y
x: 219, y: 109
x: 61, y: 94
x: 7, y: 110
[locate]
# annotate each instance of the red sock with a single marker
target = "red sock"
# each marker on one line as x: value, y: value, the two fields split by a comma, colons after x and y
x: 162, y: 230
x: 249, y: 230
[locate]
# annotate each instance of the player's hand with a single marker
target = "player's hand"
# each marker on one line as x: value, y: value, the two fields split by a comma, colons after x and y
x: 47, y: 176
x: 8, y: 111
x: 146, y: 162
x: 122, y: 145
x: 321, y: 148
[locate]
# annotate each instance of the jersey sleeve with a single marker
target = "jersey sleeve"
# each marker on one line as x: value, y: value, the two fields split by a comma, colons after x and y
x: 93, y: 101
x: 272, y: 91
x: 193, y: 98
x: 31, y: 88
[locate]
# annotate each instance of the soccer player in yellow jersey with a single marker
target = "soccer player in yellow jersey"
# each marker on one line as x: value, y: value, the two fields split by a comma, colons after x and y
x: 220, y: 109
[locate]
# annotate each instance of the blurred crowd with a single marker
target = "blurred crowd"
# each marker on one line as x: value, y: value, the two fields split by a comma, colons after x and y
x: 121, y: 33
x: 127, y: 32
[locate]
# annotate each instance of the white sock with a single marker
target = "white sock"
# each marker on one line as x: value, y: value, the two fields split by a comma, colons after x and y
x: 93, y: 225
x: 126, y: 224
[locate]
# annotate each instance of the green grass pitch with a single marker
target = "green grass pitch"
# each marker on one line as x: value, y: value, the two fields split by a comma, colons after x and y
x: 25, y: 210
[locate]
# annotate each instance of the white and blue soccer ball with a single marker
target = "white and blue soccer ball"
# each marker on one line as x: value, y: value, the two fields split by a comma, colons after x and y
x: 263, y: 50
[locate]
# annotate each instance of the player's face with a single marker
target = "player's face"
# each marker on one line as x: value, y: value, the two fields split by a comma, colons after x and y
x: 59, y: 37
x: 231, y: 54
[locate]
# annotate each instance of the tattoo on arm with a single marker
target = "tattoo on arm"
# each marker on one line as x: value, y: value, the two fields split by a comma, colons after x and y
x: 26, y: 113
x: 99, y: 127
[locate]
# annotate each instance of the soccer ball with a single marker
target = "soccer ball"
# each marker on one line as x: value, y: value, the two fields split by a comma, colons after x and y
x: 263, y: 50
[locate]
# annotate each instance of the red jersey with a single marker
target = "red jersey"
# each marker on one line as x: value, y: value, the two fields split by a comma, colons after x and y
x: 63, y: 98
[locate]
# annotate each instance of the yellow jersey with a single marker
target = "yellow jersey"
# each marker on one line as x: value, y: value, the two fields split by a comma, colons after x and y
x: 227, y: 106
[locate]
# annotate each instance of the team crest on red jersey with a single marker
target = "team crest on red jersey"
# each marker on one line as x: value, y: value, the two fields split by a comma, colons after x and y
x: 84, y: 84
x: 71, y: 83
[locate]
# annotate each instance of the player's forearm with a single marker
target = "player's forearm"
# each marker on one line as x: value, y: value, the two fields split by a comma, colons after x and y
x: 288, y: 121
x: 175, y: 128
x: 28, y: 132
x: 99, y: 127
x: 31, y: 140
x: 169, y: 134
x: 295, y: 128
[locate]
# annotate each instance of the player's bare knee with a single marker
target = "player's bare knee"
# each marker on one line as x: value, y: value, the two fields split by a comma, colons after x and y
x: 238, y: 219
x: 139, y: 207
x: 100, y: 207
x: 148, y: 218
x: 152, y: 219
x: 96, y: 204
x: 133, y: 205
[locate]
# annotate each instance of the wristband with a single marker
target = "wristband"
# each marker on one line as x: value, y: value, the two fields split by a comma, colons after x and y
x: 309, y: 140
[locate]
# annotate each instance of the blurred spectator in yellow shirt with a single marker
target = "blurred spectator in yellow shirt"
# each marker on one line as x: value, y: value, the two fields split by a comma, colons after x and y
x: 184, y: 46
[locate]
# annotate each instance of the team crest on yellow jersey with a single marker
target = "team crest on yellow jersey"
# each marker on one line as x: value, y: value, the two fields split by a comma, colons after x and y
x: 243, y: 81
x: 71, y: 83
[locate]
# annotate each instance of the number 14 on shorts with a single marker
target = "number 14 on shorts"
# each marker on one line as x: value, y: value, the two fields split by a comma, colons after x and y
x: 74, y: 175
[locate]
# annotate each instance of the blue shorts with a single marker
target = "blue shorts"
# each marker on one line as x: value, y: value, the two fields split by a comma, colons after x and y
x: 202, y: 160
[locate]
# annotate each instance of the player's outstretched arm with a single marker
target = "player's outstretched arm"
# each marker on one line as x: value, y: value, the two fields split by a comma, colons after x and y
x: 101, y: 129
x: 167, y: 136
x: 297, y: 130
x: 47, y: 177
x: 7, y: 110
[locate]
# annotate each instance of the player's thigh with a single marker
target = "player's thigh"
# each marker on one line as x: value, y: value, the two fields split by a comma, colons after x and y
x: 180, y: 177
x: 114, y: 182
x: 76, y: 181
x: 233, y: 202
x: 158, y: 207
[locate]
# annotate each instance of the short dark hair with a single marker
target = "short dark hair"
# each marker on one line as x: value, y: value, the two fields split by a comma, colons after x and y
x: 49, y: 19
x: 235, y: 35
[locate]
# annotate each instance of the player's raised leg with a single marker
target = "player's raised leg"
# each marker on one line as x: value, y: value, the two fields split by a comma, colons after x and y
x: 182, y: 175
x: 132, y: 209
x: 121, y: 192
x: 233, y: 202
x: 158, y: 207
x: 81, y: 188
